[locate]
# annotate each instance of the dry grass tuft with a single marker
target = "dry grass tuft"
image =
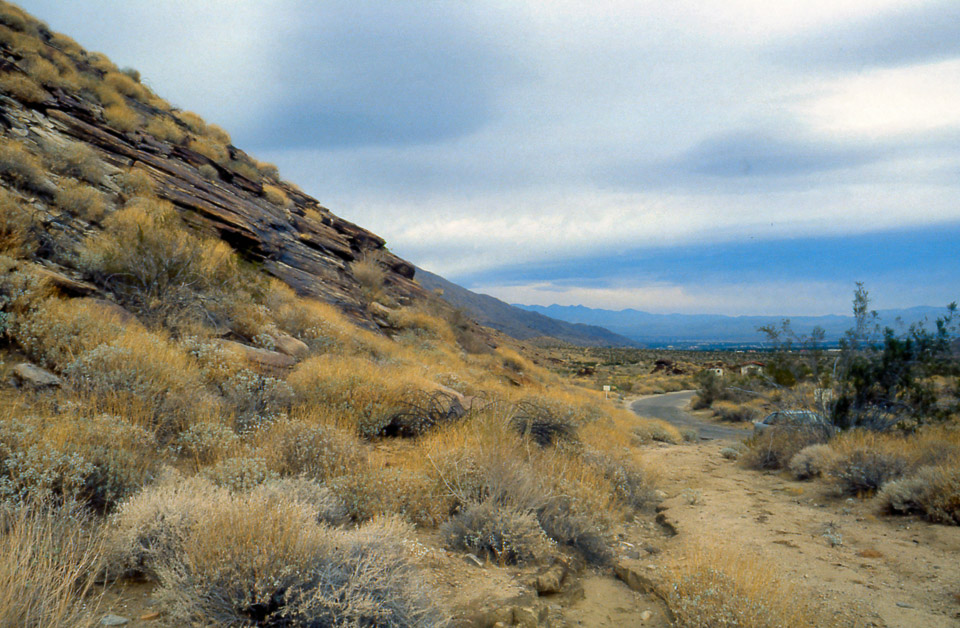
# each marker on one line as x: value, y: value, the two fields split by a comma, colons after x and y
x: 77, y: 160
x: 16, y: 227
x: 276, y: 196
x: 21, y: 167
x: 136, y: 182
x: 122, y: 118
x: 210, y: 148
x: 81, y: 200
x: 22, y: 87
x: 717, y: 587
x: 370, y: 274
x: 49, y: 558
x: 165, y: 129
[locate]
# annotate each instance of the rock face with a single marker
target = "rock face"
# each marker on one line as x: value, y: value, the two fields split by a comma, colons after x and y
x: 300, y: 242
x: 32, y: 376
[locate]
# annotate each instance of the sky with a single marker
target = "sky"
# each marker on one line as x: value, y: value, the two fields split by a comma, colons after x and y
x: 693, y: 156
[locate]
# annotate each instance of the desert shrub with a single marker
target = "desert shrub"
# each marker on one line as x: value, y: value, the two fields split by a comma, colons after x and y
x: 218, y: 134
x: 561, y: 521
x: 731, y: 453
x: 146, y: 367
x: 127, y: 86
x: 77, y: 160
x: 192, y: 121
x: 204, y: 442
x: 275, y: 195
x: 268, y: 170
x: 329, y: 509
x: 864, y: 471
x: 663, y: 434
x: 296, y: 448
x: 239, y: 474
x: 16, y: 227
x: 775, y: 447
x: 80, y: 200
x: 370, y: 275
x: 932, y: 491
x: 55, y: 331
x: 22, y: 87
x: 544, y: 422
x: 43, y: 71
x: 155, y: 264
x: 739, y: 412
x: 812, y: 461
x: 208, y: 172
x: 96, y: 460
x: 503, y: 534
x: 21, y: 167
x: 630, y: 484
x: 136, y: 182
x: 726, y: 590
x: 244, y: 168
x: 258, y: 400
x: 165, y: 129
x: 209, y: 148
x: 359, y: 391
x: 121, y: 117
x: 259, y: 560
x: 374, y: 492
x: 49, y: 558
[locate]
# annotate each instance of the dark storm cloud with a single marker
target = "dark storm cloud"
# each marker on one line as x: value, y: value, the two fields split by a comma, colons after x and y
x: 370, y: 73
x: 924, y: 32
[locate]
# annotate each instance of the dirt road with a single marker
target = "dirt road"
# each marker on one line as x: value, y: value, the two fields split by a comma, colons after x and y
x: 673, y: 408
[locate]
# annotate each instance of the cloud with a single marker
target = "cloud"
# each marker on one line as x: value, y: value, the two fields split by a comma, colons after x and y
x: 919, y: 32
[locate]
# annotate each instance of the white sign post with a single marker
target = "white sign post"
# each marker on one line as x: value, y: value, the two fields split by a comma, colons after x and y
x: 606, y: 391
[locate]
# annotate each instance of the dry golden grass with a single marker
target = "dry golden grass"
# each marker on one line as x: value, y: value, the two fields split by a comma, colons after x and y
x: 275, y: 195
x: 193, y: 122
x: 16, y: 226
x: 716, y: 586
x: 370, y: 274
x: 20, y: 166
x: 165, y: 129
x: 218, y: 135
x: 122, y: 118
x: 125, y: 85
x: 81, y: 200
x: 76, y: 159
x: 48, y: 562
x: 209, y: 148
x: 136, y: 182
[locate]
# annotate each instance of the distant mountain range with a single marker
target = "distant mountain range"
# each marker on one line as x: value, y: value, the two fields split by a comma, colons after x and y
x: 714, y: 330
x: 516, y: 322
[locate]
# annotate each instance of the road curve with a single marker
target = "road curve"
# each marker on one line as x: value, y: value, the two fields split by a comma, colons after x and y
x: 672, y: 408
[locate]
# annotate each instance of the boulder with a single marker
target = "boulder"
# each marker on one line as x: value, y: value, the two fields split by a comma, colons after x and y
x: 263, y: 358
x: 32, y: 376
x: 288, y: 345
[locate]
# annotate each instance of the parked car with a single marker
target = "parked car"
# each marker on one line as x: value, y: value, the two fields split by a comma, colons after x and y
x: 793, y: 419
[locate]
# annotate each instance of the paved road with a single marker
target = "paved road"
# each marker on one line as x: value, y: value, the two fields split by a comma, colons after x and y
x: 671, y: 408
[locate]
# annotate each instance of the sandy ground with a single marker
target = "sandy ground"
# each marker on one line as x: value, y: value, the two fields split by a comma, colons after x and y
x: 877, y: 571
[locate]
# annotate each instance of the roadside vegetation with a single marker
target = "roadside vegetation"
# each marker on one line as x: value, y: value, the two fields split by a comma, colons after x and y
x: 890, y: 401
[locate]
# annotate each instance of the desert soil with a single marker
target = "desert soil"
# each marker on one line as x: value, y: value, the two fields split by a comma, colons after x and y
x: 885, y: 571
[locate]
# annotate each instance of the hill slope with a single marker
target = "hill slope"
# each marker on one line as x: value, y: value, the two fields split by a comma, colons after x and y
x: 517, y: 322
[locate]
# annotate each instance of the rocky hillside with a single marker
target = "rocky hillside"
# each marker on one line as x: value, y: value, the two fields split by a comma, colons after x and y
x: 79, y: 136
